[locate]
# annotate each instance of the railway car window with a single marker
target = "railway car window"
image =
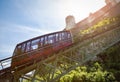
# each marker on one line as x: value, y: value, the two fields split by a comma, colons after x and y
x: 63, y: 35
x: 19, y: 46
x: 50, y: 39
x: 41, y: 42
x: 35, y: 43
x: 34, y: 47
x: 54, y: 37
x: 28, y: 47
x: 18, y: 50
x: 46, y: 40
x: 69, y: 35
x: 57, y: 37
x: 60, y: 37
x: 23, y: 47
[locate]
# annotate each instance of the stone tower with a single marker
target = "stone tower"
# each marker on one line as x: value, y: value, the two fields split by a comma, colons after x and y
x: 70, y: 22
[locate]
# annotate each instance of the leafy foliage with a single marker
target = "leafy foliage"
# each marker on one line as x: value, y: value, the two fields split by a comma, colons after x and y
x: 100, y: 24
x: 110, y: 60
x: 95, y: 74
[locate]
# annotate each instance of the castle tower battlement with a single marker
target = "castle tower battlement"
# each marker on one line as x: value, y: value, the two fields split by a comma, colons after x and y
x: 70, y: 22
x: 112, y: 2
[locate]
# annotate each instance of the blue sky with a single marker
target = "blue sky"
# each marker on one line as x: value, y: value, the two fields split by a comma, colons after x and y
x: 21, y: 20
